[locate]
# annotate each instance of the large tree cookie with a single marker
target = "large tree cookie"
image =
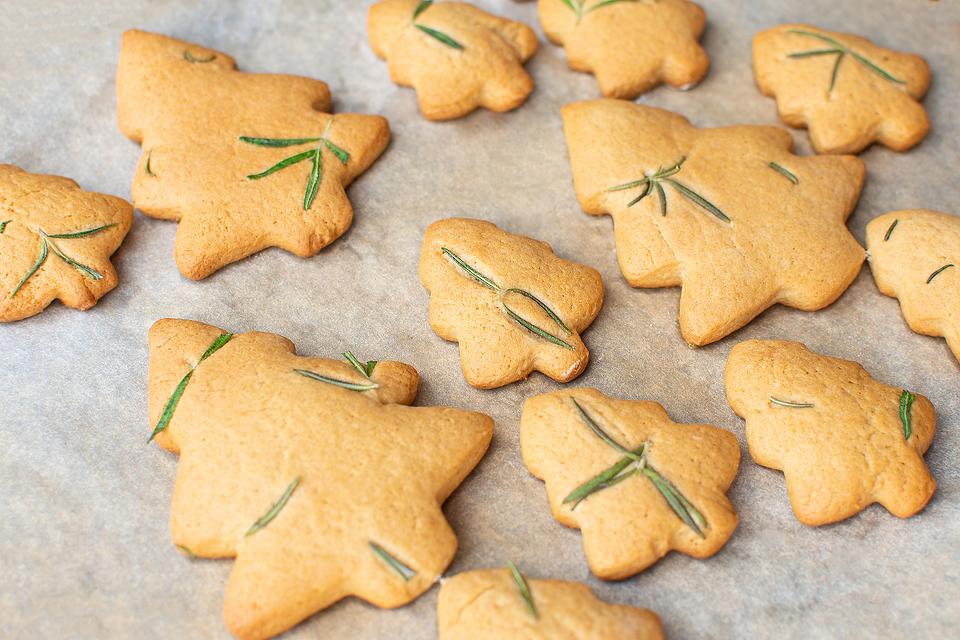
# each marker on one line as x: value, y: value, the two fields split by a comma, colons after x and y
x: 729, y: 214
x: 244, y: 161
x: 631, y: 46
x: 494, y: 604
x: 455, y: 56
x: 915, y: 257
x: 848, y: 91
x: 513, y: 305
x: 842, y: 439
x: 312, y: 472
x: 55, y: 242
x: 636, y: 484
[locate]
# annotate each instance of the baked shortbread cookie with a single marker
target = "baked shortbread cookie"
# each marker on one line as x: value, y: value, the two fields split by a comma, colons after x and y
x: 842, y: 439
x: 636, y: 484
x: 312, y: 472
x: 244, y: 161
x: 846, y: 90
x: 455, y: 56
x: 729, y: 214
x: 55, y: 242
x: 915, y: 257
x: 494, y: 604
x: 513, y: 305
x: 630, y: 47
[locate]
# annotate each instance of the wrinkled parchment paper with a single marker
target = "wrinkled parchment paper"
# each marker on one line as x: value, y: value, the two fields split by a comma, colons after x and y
x: 85, y: 549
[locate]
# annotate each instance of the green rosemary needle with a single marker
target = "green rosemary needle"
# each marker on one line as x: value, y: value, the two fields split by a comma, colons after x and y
x: 365, y: 369
x: 513, y: 315
x: 441, y: 36
x: 3, y: 225
x: 662, y: 175
x: 36, y: 265
x: 600, y: 433
x: 403, y: 570
x: 189, y: 57
x: 786, y: 173
x: 680, y: 505
x: 906, y: 415
x: 889, y: 232
x: 146, y: 167
x: 167, y: 414
x: 344, y: 384
x: 82, y: 233
x: 605, y: 479
x: 186, y: 551
x: 938, y: 272
x: 577, y: 6
x: 423, y: 6
x: 524, y: 589
x: 841, y: 51
x: 789, y: 404
x: 278, y: 506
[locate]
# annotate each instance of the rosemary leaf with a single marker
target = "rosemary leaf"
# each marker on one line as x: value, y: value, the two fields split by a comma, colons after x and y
x: 630, y: 185
x: 680, y: 505
x: 834, y: 73
x: 906, y: 416
x: 90, y: 272
x: 473, y: 273
x: 146, y: 168
x: 523, y: 588
x: 405, y: 572
x: 605, y: 3
x: 274, y: 510
x: 791, y: 405
x: 606, y: 478
x: 938, y: 272
x: 646, y: 191
x: 313, y: 181
x: 341, y: 154
x: 540, y: 303
x: 889, y: 232
x: 662, y: 197
x: 277, y: 142
x: 43, y: 257
x: 600, y: 433
x: 575, y: 9
x: 814, y: 52
x: 283, y: 164
x: 365, y: 369
x: 80, y: 234
x: 786, y: 173
x: 189, y: 57
x: 697, y: 199
x: 423, y: 6
x: 529, y: 326
x: 343, y: 384
x: 439, y: 35
x: 3, y: 225
x: 171, y: 406
x: 881, y: 72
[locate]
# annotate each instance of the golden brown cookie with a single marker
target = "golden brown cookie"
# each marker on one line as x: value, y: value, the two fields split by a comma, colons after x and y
x: 513, y: 306
x: 497, y: 604
x: 244, y: 161
x: 636, y: 484
x: 455, y: 56
x: 842, y: 439
x: 312, y: 472
x: 630, y: 46
x: 846, y: 90
x: 55, y: 242
x: 915, y: 257
x: 729, y: 214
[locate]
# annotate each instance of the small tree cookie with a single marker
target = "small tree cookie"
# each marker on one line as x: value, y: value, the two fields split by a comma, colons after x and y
x: 513, y: 306
x: 846, y: 90
x: 312, y: 472
x: 842, y: 439
x: 55, y: 242
x: 636, y: 484
x: 729, y: 214
x: 455, y: 56
x: 244, y: 161
x: 630, y: 46
x: 494, y: 604
x: 915, y: 257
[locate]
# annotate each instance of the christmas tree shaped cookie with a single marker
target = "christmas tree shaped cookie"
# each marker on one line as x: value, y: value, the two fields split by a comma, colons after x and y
x: 635, y: 483
x: 55, y: 242
x: 244, y: 161
x: 313, y: 473
x: 729, y: 214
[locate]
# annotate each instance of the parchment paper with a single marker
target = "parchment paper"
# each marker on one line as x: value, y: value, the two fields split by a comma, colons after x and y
x: 85, y: 548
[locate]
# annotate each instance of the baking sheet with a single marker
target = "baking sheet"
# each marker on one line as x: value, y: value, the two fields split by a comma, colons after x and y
x: 85, y: 548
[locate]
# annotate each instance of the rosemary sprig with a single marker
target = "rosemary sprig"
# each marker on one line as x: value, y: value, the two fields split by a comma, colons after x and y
x: 513, y: 315
x: 3, y: 225
x: 662, y: 175
x: 365, y: 369
x: 605, y: 479
x: 146, y: 168
x: 315, y: 155
x: 939, y: 271
x: 889, y: 232
x: 47, y: 245
x: 278, y: 506
x: 789, y: 404
x: 841, y: 51
x: 189, y: 57
x: 344, y: 384
x: 81, y: 234
x: 405, y: 572
x: 524, y: 589
x: 680, y: 505
x: 906, y: 415
x: 430, y: 31
x: 600, y: 433
x: 784, y: 172
x: 167, y: 414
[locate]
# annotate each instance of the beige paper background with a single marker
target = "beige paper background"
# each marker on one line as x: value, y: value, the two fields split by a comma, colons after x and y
x: 85, y: 549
